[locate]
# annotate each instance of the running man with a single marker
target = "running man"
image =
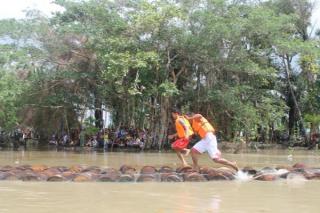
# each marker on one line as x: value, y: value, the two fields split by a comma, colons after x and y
x: 184, y: 131
x: 208, y: 142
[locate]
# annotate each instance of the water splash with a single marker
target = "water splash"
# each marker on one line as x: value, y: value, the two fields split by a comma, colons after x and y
x: 280, y: 172
x: 243, y: 176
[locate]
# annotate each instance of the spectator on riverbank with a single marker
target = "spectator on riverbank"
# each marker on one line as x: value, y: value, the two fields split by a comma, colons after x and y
x: 100, y: 139
x: 123, y: 137
x: 65, y: 139
x: 82, y: 138
x: 105, y: 139
x: 24, y: 137
x: 53, y: 140
x: 314, y: 140
x: 92, y: 142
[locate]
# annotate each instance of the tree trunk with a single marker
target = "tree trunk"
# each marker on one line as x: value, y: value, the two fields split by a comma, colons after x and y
x: 164, y: 122
x: 151, y: 123
x: 98, y: 113
x: 198, y: 89
x: 294, y: 99
x: 271, y: 132
x: 292, y: 115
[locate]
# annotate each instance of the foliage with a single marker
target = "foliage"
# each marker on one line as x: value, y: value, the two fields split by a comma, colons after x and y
x: 10, y: 91
x: 248, y: 66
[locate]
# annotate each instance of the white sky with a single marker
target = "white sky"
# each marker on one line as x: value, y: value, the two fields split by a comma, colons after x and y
x: 315, y: 19
x: 14, y: 8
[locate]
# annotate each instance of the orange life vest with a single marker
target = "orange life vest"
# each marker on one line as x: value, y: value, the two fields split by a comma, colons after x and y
x: 182, y: 133
x: 202, y: 126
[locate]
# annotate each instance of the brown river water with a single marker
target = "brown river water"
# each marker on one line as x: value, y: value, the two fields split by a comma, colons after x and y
x: 216, y: 196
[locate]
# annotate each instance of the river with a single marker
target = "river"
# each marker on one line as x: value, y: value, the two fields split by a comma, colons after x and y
x: 219, y: 196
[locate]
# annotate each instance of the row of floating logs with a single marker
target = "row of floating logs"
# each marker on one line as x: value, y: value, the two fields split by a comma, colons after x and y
x: 79, y: 173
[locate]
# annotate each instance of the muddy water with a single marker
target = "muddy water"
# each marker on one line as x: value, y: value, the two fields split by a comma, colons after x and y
x: 237, y: 196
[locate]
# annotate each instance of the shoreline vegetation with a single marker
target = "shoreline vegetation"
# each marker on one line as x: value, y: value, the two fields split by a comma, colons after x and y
x: 224, y: 146
x: 100, y: 68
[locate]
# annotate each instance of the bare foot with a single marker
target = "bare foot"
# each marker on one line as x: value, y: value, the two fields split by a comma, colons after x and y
x: 196, y: 168
x: 186, y: 165
x: 235, y: 166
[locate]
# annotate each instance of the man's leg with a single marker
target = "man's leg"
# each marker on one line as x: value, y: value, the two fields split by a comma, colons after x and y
x: 195, y: 156
x: 196, y: 151
x: 180, y: 156
x: 215, y: 153
x: 186, y: 151
x: 226, y: 163
x: 179, y: 146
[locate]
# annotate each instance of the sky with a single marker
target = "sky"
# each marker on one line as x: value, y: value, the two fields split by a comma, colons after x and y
x: 15, y: 8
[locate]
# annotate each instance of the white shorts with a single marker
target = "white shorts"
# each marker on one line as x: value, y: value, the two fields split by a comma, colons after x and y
x: 208, y: 144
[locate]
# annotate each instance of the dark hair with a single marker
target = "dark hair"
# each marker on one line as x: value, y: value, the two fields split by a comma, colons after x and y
x: 176, y: 110
x: 189, y: 113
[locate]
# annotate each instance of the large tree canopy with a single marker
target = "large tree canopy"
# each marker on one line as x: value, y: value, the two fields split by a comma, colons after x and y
x: 249, y: 66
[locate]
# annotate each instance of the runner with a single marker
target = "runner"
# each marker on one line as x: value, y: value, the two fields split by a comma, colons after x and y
x: 184, y: 131
x: 208, y: 142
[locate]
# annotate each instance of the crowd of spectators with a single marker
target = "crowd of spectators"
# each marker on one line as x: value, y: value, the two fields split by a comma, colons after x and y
x: 104, y: 138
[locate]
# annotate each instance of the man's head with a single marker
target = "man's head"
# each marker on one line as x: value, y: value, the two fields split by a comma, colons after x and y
x: 175, y: 113
x: 188, y: 115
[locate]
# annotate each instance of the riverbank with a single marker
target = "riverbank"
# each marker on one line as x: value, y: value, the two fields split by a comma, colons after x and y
x: 224, y: 146
x: 236, y: 148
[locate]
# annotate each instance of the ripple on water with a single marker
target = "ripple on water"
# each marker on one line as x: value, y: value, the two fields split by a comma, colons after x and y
x: 7, y: 189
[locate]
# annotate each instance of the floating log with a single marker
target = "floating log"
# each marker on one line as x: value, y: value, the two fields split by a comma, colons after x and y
x: 126, y: 173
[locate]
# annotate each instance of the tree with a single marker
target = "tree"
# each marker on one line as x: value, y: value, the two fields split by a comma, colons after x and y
x: 248, y: 66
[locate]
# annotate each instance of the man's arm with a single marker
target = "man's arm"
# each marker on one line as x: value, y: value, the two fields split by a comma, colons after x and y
x: 195, y: 117
x: 172, y: 136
